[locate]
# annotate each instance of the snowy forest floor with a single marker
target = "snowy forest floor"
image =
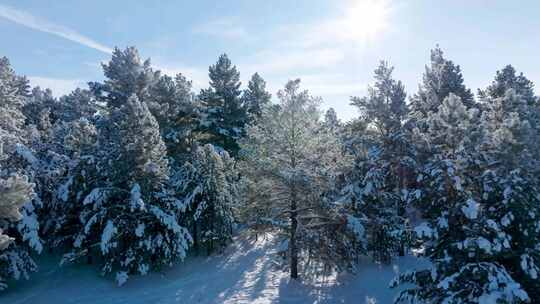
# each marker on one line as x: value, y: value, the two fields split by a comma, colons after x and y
x: 245, y: 273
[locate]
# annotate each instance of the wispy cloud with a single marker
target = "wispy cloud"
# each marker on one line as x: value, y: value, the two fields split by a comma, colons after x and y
x: 331, y: 84
x: 225, y: 28
x: 26, y: 19
x: 275, y: 61
x: 58, y: 86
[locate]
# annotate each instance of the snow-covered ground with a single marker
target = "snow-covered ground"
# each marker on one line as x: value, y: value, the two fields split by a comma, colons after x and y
x: 245, y: 273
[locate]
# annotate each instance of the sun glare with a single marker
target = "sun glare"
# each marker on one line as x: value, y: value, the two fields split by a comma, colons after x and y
x: 365, y: 20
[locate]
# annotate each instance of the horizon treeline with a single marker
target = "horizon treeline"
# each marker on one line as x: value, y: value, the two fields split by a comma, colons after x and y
x: 135, y: 173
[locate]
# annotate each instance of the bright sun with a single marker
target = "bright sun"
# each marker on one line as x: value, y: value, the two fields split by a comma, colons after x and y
x: 364, y: 20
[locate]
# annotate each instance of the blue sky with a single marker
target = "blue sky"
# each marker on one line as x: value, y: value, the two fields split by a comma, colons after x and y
x: 334, y: 46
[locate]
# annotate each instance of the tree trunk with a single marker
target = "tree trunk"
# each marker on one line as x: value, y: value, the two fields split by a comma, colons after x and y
x: 401, y: 213
x: 292, y: 243
x: 401, y: 251
x: 195, y: 238
x: 402, y: 205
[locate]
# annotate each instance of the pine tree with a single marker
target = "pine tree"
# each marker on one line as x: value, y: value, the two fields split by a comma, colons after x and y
x: 173, y: 104
x: 126, y: 75
x: 472, y: 188
x: 16, y: 161
x: 129, y: 217
x: 39, y: 108
x: 15, y: 191
x: 255, y: 98
x: 331, y: 120
x: 511, y: 183
x: 380, y: 181
x: 443, y: 191
x: 119, y: 201
x: 223, y: 117
x: 11, y: 103
x: 299, y: 162
x: 208, y: 183
x: 385, y: 106
x: 527, y: 105
x: 506, y: 79
x: 440, y: 79
x: 78, y: 104
x: 79, y: 143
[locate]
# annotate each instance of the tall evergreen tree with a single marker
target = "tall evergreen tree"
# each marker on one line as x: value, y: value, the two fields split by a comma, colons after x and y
x: 15, y: 191
x: 40, y: 109
x: 384, y: 107
x: 80, y: 103
x: 173, y: 104
x: 440, y: 79
x: 126, y: 75
x: 208, y: 183
x: 12, y: 100
x: 381, y: 178
x: 511, y: 147
x: 299, y: 162
x: 129, y: 217
x: 477, y: 197
x: 255, y: 98
x: 331, y: 120
x: 223, y: 116
x: 126, y: 209
x: 16, y: 160
x: 507, y: 79
x: 525, y: 103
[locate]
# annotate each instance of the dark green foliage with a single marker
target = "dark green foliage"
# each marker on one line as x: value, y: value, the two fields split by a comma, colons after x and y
x: 223, y: 116
x: 255, y: 98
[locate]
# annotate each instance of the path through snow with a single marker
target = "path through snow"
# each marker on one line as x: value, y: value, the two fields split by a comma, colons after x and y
x: 245, y: 273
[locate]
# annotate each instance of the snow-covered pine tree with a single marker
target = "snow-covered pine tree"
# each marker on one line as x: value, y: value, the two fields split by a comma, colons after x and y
x: 39, y: 107
x: 173, y: 104
x: 472, y: 189
x: 254, y: 206
x: 61, y: 211
x: 16, y: 160
x: 126, y: 75
x: 208, y: 183
x: 255, y: 98
x: 378, y: 186
x: 255, y: 210
x: 506, y: 79
x: 299, y: 162
x: 331, y: 121
x: 510, y: 186
x: 440, y: 79
x: 12, y: 100
x: 223, y: 116
x: 129, y: 217
x: 527, y: 106
x: 78, y: 104
x: 444, y: 193
x: 53, y: 123
x: 119, y: 203
x: 15, y: 191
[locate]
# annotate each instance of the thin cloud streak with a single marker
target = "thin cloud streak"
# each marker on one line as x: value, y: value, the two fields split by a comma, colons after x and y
x: 225, y: 28
x: 28, y: 20
x: 274, y: 61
